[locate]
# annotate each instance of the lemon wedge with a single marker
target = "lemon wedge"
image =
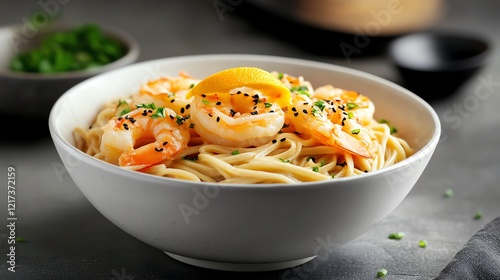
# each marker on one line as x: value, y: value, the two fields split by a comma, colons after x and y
x: 252, y: 77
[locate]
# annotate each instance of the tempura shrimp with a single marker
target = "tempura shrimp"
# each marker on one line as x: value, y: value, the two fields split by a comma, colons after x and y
x: 240, y: 118
x: 329, y: 123
x: 166, y: 92
x: 144, y: 137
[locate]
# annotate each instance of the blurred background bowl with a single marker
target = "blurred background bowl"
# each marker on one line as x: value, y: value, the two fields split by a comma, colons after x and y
x: 340, y: 28
x: 435, y: 64
x: 29, y: 96
x: 244, y: 226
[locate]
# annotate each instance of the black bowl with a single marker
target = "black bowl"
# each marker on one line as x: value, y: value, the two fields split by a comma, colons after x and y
x: 435, y: 64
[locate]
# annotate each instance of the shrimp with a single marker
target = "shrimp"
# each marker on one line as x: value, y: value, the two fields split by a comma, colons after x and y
x: 359, y: 106
x: 166, y: 92
x: 144, y: 137
x: 240, y: 118
x: 327, y: 122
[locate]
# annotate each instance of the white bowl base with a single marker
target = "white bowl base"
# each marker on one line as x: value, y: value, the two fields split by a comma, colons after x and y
x: 239, y: 266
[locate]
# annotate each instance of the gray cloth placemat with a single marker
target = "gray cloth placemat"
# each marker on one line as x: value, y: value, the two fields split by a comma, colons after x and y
x: 479, y: 258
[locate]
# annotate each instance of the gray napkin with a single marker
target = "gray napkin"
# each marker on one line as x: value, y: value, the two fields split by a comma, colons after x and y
x: 479, y: 258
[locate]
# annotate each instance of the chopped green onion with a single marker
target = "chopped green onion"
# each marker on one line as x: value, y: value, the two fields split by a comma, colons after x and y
x: 350, y: 115
x: 422, y: 243
x: 381, y: 273
x: 180, y: 120
x: 320, y: 104
x: 206, y: 102
x: 125, y: 111
x: 351, y: 106
x: 191, y: 86
x: 121, y: 102
x: 310, y: 158
x: 300, y: 90
x: 280, y: 76
x: 191, y: 125
x: 235, y: 152
x: 284, y: 160
x: 315, y: 169
x: 147, y: 106
x: 355, y: 131
x: 396, y: 235
x: 267, y: 104
x: 478, y: 215
x: 80, y: 48
x: 392, y: 128
x: 448, y: 193
x: 159, y: 113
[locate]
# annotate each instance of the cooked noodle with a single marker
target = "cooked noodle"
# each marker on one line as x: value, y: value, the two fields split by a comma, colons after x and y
x: 290, y: 157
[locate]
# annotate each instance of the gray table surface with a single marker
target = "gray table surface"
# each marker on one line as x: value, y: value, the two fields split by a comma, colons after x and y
x: 68, y: 239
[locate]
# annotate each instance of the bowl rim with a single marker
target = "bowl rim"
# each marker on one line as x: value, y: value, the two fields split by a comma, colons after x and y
x: 132, y: 54
x: 470, y: 62
x: 423, y: 152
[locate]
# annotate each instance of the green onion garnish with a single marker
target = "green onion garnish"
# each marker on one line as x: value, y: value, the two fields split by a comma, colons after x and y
x: 396, y: 235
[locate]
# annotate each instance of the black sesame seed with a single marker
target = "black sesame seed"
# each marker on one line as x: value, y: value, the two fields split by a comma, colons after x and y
x: 187, y: 106
x: 203, y: 95
x: 158, y: 149
x: 172, y: 100
x: 182, y: 110
x: 218, y: 119
x: 294, y: 109
x: 282, y: 139
x: 218, y: 103
x: 246, y: 94
x: 210, y: 115
x: 274, y: 141
x: 305, y: 111
x: 120, y: 118
x: 238, y: 92
x: 295, y: 114
x: 165, y: 143
x: 125, y: 126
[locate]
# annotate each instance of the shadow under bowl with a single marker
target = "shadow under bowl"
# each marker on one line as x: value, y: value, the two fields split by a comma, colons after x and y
x: 435, y: 64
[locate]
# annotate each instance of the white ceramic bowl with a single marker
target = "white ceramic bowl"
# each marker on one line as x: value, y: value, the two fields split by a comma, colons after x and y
x: 244, y: 227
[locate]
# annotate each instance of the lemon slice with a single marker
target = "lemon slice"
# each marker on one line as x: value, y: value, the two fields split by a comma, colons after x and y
x: 252, y: 77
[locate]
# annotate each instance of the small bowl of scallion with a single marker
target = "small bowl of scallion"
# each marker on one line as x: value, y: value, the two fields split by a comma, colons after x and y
x: 38, y: 64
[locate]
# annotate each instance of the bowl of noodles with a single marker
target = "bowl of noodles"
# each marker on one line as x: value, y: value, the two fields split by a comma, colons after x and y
x: 243, y: 162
